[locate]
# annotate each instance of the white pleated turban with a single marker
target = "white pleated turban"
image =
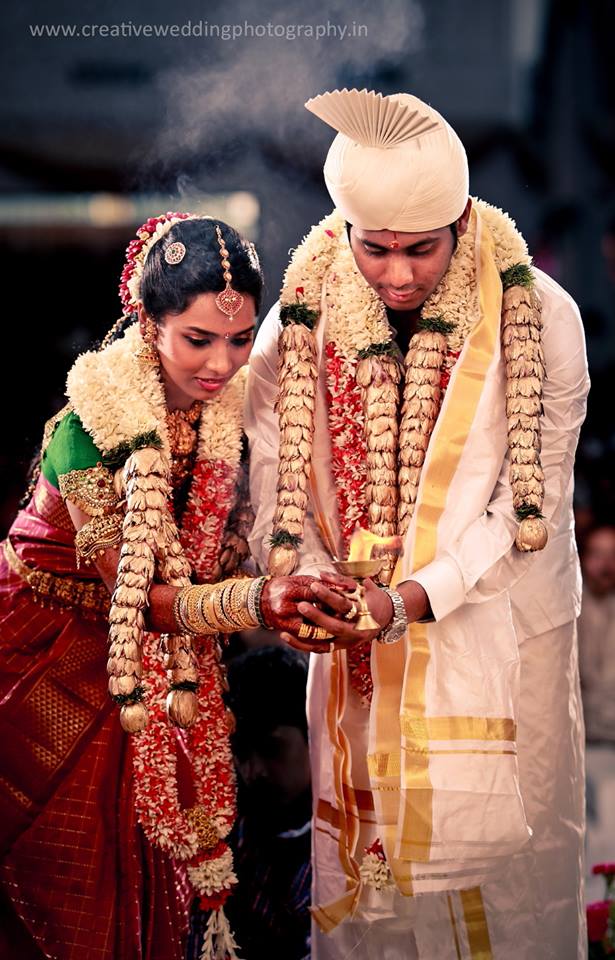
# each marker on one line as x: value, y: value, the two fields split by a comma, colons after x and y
x: 395, y: 163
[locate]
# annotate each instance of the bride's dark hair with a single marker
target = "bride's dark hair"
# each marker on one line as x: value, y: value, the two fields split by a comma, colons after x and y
x: 170, y: 288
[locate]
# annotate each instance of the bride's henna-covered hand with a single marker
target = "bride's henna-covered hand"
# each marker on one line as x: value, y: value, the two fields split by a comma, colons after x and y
x: 330, y: 604
x: 279, y: 601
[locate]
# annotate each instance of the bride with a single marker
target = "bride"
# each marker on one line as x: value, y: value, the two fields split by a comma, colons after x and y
x: 129, y: 553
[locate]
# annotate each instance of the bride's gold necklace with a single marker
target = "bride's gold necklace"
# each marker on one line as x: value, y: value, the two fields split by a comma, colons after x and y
x: 183, y: 436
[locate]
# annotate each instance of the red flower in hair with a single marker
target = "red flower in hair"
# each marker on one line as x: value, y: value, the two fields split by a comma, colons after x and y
x: 134, y: 249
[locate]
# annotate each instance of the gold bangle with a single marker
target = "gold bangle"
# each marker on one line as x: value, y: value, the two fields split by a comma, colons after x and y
x: 225, y: 625
x: 181, y: 627
x: 231, y: 606
x: 206, y: 612
x: 214, y: 608
x: 180, y: 611
x: 191, y: 610
x: 239, y: 604
x: 216, y: 611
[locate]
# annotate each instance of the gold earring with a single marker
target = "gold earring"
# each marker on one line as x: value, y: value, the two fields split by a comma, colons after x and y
x: 147, y: 352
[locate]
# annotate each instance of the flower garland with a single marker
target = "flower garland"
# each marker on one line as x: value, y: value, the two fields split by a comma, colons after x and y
x: 196, y: 836
x: 350, y: 458
x: 374, y: 870
x: 347, y: 432
x: 376, y: 471
x: 121, y: 404
x: 215, y: 478
x: 358, y: 331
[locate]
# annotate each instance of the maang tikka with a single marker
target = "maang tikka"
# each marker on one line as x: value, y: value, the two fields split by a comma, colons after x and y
x: 228, y: 300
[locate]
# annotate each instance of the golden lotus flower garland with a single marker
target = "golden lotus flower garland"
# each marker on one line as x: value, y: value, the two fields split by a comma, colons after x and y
x: 296, y: 406
x: 360, y: 339
x: 122, y: 405
x: 421, y: 405
x: 378, y: 377
x: 521, y: 329
x: 297, y: 378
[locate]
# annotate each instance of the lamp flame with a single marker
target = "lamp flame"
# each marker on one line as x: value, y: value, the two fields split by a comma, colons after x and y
x: 362, y: 544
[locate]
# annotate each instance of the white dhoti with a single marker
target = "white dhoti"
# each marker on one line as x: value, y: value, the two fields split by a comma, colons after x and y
x: 483, y: 739
x: 534, y: 906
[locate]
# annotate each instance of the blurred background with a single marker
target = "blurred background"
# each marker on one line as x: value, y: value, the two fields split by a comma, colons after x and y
x: 110, y: 115
x: 113, y: 114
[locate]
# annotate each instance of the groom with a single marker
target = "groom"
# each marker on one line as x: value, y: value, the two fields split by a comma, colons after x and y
x: 446, y: 744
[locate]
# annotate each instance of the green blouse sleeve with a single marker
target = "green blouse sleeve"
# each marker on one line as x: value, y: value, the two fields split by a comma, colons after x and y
x: 70, y: 448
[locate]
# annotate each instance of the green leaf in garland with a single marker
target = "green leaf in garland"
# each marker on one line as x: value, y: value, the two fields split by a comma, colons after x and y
x: 136, y: 696
x: 528, y: 510
x: 519, y: 275
x: 298, y: 313
x: 385, y: 349
x: 282, y: 538
x: 119, y: 455
x: 436, y: 325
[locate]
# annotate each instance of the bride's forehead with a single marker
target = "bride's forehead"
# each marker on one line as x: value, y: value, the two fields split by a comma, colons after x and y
x: 204, y: 315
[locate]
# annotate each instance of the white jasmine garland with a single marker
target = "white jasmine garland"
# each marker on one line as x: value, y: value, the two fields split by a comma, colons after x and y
x: 356, y: 314
x: 375, y: 872
x: 211, y: 876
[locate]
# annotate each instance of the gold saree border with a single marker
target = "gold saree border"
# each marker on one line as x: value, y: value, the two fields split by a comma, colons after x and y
x: 476, y: 924
x: 451, y: 913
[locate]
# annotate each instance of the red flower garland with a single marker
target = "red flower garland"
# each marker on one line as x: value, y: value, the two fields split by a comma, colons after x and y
x: 210, y: 501
x: 348, y: 465
x: 348, y: 448
x: 157, y: 801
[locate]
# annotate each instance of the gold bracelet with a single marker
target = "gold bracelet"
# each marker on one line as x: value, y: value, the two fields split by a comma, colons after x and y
x: 240, y: 610
x: 205, y: 609
x: 181, y: 626
x: 218, y: 608
x: 214, y: 608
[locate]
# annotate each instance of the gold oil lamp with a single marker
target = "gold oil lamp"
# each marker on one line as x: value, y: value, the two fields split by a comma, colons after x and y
x: 360, y: 565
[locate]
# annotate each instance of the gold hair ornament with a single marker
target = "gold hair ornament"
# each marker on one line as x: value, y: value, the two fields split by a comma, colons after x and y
x: 228, y: 301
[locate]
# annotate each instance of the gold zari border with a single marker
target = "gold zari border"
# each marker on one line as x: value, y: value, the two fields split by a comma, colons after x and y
x: 458, y: 728
x: 476, y: 924
x: 90, y: 597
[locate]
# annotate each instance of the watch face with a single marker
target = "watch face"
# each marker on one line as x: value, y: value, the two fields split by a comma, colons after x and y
x: 393, y: 634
